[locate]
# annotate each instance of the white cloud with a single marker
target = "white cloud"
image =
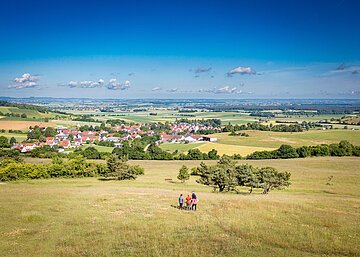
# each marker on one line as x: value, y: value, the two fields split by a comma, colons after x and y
x: 25, y: 81
x: 115, y: 85
x: 172, y: 90
x: 242, y: 71
x: 156, y: 89
x: 86, y: 84
x: 224, y: 90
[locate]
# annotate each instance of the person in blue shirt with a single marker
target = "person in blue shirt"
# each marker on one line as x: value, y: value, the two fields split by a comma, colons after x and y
x: 181, y: 201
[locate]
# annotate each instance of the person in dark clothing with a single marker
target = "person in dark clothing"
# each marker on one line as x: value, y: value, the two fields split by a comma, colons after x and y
x: 193, y: 195
x: 181, y: 201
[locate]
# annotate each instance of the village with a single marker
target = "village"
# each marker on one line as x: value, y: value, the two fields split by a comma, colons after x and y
x: 67, y: 138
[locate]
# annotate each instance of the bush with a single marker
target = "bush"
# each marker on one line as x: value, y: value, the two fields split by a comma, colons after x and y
x: 78, y: 167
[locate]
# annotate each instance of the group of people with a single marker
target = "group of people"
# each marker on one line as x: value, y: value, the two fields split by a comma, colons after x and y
x: 190, y: 201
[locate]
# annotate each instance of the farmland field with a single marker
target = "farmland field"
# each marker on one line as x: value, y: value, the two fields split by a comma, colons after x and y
x: 268, y: 140
x: 89, y: 217
x: 23, y: 125
x: 18, y: 137
x: 171, y: 115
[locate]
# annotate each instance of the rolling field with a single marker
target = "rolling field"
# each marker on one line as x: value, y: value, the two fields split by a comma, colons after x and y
x: 180, y: 147
x: 275, y: 139
x: 18, y: 137
x: 171, y: 115
x: 24, y: 125
x: 267, y: 140
x: 89, y: 217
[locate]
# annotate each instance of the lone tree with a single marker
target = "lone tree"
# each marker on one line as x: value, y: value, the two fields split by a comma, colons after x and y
x: 120, y: 169
x: 12, y: 141
x: 183, y: 174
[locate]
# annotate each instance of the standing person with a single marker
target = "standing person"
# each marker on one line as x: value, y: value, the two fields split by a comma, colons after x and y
x: 193, y: 195
x: 194, y: 203
x: 188, y: 202
x: 181, y: 201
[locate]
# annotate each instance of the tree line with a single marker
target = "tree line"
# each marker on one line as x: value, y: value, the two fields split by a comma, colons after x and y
x: 271, y: 127
x: 344, y: 148
x: 115, y: 168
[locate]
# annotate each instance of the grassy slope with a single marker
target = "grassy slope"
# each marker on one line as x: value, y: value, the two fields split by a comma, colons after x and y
x: 88, y: 217
x: 265, y: 140
x: 18, y: 137
x: 275, y: 139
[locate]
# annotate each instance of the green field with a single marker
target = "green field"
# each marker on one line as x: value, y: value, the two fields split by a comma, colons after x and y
x: 268, y: 140
x: 164, y: 115
x: 18, y: 137
x: 89, y: 217
x: 180, y: 147
x: 28, y: 112
x: 275, y: 139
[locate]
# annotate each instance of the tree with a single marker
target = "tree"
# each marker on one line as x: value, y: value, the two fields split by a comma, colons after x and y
x: 346, y: 147
x: 303, y: 151
x: 91, y: 153
x: 195, y: 154
x: 286, y: 152
x: 246, y: 176
x: 70, y: 137
x: 183, y: 174
x: 120, y: 169
x: 4, y: 142
x: 12, y: 141
x: 221, y: 176
x: 269, y: 178
x: 50, y: 132
x: 213, y: 155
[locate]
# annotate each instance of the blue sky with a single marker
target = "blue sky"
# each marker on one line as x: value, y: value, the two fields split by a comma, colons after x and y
x: 180, y: 49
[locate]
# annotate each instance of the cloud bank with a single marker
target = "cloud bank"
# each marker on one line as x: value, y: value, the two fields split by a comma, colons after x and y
x: 25, y: 81
x: 113, y: 84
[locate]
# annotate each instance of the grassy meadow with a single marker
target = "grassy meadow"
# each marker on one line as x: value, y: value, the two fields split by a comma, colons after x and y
x: 90, y: 217
x: 267, y: 140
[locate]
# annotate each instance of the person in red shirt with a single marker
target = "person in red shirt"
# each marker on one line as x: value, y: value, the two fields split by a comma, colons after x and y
x: 188, y: 202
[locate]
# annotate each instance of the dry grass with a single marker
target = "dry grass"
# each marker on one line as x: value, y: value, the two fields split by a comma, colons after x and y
x: 88, y: 217
x: 23, y: 125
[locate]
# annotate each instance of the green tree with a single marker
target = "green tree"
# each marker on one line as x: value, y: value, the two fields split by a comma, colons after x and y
x: 246, y: 176
x: 70, y: 137
x: 213, y: 155
x: 12, y: 141
x: 269, y: 178
x: 183, y: 174
x: 4, y: 142
x: 120, y: 169
x: 286, y: 152
x: 346, y: 147
x: 50, y: 132
x: 221, y: 176
x: 91, y: 153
